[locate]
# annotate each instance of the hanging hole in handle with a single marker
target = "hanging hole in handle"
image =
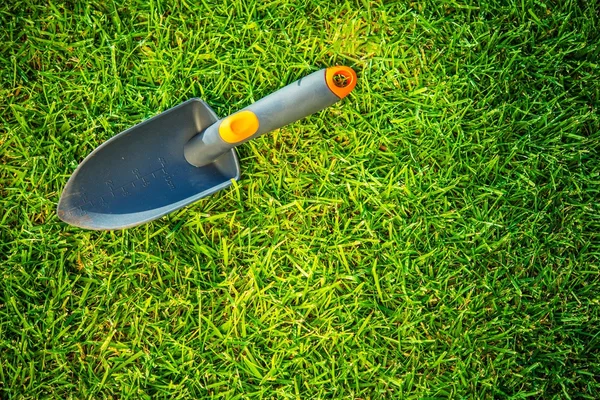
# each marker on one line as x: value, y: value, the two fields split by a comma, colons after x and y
x: 341, y: 80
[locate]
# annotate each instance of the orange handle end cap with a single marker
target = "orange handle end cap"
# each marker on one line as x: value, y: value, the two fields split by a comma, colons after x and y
x: 238, y: 126
x: 340, y: 80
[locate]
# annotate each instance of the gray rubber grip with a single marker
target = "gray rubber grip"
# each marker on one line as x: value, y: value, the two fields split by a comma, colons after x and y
x: 297, y: 100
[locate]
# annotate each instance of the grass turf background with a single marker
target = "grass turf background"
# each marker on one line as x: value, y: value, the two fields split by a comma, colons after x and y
x: 434, y: 235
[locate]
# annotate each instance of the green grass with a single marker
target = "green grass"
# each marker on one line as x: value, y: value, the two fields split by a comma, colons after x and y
x: 434, y: 235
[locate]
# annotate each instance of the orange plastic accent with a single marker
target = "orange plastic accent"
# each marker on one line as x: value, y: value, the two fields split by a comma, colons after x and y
x: 238, y: 126
x: 346, y: 73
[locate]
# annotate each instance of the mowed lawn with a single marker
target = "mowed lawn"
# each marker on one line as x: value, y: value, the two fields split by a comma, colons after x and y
x: 434, y: 235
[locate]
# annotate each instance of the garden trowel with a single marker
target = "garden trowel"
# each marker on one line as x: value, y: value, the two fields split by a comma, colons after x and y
x: 184, y: 154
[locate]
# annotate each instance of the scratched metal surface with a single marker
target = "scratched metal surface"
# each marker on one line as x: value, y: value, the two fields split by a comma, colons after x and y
x: 141, y: 174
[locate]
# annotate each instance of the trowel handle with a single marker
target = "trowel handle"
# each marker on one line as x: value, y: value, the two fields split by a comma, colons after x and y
x: 297, y: 100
